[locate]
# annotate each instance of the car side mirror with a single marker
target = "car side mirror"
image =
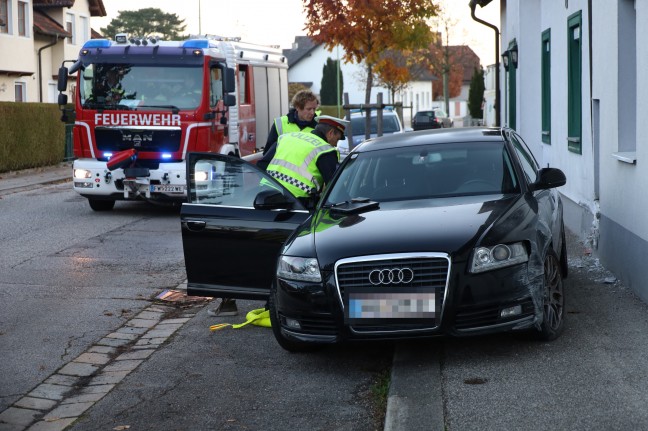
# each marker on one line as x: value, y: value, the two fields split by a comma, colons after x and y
x: 272, y: 200
x: 549, y: 178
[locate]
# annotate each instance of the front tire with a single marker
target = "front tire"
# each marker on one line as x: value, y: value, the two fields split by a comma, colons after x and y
x: 101, y: 205
x: 553, y: 319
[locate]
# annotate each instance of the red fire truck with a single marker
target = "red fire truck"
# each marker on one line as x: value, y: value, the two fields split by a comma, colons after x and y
x: 142, y: 104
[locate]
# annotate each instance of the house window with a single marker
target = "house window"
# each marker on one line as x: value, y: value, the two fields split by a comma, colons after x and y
x: 23, y: 19
x: 69, y: 26
x: 627, y: 82
x: 574, y: 83
x: 4, y: 16
x: 546, y: 86
x: 85, y: 29
x: 20, y: 92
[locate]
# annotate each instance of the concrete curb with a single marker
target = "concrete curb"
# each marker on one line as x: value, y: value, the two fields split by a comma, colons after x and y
x: 15, y: 181
x: 415, y: 400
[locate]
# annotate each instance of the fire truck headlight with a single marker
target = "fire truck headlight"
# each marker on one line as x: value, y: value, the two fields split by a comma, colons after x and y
x: 201, y: 175
x: 82, y: 173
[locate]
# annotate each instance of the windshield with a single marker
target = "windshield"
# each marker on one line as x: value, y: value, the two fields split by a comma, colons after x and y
x: 390, y: 125
x: 432, y: 171
x: 128, y: 86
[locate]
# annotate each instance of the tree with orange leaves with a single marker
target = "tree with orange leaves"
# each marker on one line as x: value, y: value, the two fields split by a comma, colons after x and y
x: 393, y: 72
x: 368, y: 28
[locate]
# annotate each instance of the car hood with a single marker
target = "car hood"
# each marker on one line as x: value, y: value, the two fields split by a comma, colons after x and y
x: 450, y: 225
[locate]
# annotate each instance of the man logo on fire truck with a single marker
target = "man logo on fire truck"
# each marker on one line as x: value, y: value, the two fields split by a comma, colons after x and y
x: 207, y: 94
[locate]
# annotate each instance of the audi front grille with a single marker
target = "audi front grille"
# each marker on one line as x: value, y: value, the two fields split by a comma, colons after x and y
x: 410, y: 271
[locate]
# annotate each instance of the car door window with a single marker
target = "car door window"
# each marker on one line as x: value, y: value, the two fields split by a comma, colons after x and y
x: 527, y: 161
x: 217, y: 179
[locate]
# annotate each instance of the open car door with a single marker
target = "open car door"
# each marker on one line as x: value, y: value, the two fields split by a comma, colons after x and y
x: 233, y: 227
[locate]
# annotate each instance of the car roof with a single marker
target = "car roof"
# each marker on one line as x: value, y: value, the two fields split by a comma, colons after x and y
x: 373, y: 113
x: 434, y: 136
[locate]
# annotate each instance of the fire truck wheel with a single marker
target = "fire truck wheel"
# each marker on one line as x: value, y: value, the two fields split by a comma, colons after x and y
x: 101, y: 205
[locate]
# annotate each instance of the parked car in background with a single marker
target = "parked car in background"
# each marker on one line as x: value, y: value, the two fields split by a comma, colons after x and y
x: 446, y: 121
x: 424, y: 120
x: 432, y: 119
x: 390, y: 124
x: 455, y: 231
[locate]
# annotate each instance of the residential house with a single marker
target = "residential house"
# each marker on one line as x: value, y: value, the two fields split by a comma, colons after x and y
x: 489, y: 96
x: 306, y: 60
x: 420, y: 94
x: 573, y: 92
x: 35, y: 37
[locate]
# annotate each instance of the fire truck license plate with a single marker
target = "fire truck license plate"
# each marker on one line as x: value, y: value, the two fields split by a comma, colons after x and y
x: 155, y: 188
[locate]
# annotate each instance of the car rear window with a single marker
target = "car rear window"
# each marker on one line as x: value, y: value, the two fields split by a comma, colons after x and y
x: 390, y: 125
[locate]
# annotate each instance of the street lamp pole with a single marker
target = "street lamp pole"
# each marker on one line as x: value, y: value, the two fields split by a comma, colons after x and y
x: 473, y: 4
x: 199, y: 20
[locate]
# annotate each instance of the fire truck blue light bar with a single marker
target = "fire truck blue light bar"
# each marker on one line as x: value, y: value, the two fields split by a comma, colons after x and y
x: 196, y: 43
x: 97, y: 43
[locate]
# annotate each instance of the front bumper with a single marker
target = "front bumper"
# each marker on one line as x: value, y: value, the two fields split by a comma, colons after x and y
x: 469, y: 304
x: 165, y: 181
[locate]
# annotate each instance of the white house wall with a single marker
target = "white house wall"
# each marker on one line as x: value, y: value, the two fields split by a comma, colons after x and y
x: 309, y: 69
x: 623, y: 242
x: 525, y: 25
x: 489, y: 95
x: 13, y: 50
x: 605, y: 195
x: 20, y: 53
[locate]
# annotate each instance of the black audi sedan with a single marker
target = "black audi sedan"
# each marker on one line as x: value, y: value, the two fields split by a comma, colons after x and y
x: 438, y: 232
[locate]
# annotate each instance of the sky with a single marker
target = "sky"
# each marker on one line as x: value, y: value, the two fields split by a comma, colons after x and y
x: 277, y: 22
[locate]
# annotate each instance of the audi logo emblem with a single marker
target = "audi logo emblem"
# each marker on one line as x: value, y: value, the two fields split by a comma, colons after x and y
x: 391, y: 276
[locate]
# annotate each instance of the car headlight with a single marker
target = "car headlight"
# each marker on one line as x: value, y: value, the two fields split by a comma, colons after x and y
x: 201, y: 175
x: 498, y: 256
x: 299, y: 268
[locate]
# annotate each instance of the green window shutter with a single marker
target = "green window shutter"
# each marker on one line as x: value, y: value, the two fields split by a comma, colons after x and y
x: 574, y: 83
x: 512, y: 84
x: 546, y: 86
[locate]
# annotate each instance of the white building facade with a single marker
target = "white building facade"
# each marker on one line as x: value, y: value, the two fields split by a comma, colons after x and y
x: 306, y: 63
x: 309, y: 69
x: 35, y: 37
x: 576, y: 98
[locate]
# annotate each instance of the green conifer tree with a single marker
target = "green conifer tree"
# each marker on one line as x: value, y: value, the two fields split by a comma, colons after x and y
x: 476, y: 94
x: 328, y: 96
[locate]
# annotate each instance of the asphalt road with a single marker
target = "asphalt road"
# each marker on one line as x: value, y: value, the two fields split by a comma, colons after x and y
x: 592, y: 378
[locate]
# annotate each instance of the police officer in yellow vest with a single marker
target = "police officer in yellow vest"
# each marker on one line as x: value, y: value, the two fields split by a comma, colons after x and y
x: 304, y: 162
x: 300, y: 118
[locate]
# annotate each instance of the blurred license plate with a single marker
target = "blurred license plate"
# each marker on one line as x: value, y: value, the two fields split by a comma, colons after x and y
x: 155, y: 188
x: 391, y: 306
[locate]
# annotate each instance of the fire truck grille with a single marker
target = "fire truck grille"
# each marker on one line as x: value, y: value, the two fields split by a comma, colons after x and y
x: 163, y: 141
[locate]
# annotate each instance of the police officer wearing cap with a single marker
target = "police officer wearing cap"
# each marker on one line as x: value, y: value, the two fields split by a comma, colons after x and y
x: 304, y: 162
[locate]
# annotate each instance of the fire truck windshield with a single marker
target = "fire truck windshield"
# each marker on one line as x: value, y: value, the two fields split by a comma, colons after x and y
x: 133, y: 87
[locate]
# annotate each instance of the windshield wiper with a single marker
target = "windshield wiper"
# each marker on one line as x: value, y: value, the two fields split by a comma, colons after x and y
x: 102, y: 106
x: 159, y: 106
x: 354, y: 206
x: 173, y: 108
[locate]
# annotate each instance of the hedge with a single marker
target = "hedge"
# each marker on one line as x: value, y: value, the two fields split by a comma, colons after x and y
x: 31, y: 135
